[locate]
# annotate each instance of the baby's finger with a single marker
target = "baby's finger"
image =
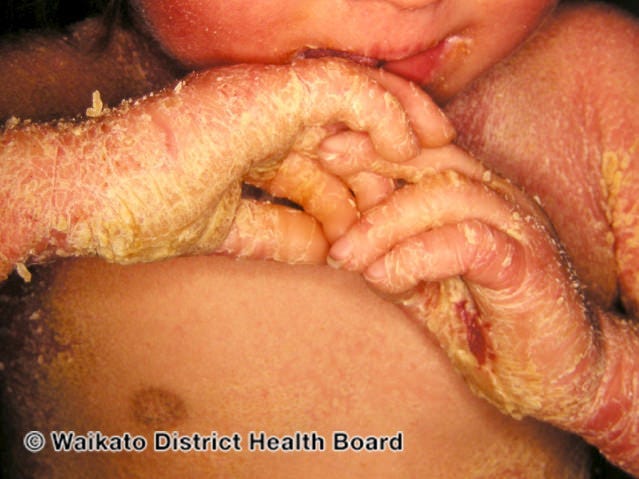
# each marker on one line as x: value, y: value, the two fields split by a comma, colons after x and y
x: 350, y: 152
x: 474, y: 250
x: 269, y: 231
x: 342, y: 91
x: 347, y: 153
x: 351, y: 156
x: 321, y: 194
x: 445, y: 198
x: 430, y: 124
x: 369, y: 189
x: 449, y: 157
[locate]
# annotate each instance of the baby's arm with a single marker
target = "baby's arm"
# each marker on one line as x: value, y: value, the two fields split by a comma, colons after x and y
x: 53, y: 74
x: 467, y: 255
x: 565, y: 110
x: 161, y: 176
x: 561, y: 119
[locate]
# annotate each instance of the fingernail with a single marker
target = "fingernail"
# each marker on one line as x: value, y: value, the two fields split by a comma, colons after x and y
x: 332, y: 263
x: 376, y: 272
x: 340, y: 252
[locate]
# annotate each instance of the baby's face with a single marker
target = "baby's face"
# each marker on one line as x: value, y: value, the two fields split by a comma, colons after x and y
x: 440, y: 44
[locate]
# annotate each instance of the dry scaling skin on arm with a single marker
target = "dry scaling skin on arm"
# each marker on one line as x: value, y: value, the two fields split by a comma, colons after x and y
x: 588, y: 383
x: 560, y: 119
x: 478, y: 261
x: 161, y: 176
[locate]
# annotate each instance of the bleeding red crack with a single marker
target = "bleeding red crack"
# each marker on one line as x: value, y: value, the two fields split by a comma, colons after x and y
x: 474, y: 332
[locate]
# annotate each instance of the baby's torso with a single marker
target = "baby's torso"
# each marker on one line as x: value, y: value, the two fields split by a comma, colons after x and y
x: 210, y: 345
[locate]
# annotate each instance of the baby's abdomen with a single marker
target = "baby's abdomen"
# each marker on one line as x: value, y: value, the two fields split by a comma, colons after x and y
x: 203, y: 345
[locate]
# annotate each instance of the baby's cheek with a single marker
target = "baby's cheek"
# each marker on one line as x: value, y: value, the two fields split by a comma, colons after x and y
x: 194, y: 33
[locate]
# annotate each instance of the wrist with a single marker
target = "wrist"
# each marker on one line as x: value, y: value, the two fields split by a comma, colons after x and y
x: 610, y: 419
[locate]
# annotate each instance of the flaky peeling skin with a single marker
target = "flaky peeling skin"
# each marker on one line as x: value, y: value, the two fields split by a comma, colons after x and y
x: 161, y: 176
x: 515, y: 325
x: 479, y: 263
x: 620, y: 182
x: 515, y: 321
x: 611, y: 420
x: 559, y: 118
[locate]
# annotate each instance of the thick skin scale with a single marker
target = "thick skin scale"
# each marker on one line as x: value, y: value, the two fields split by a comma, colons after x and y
x: 150, y: 187
x: 559, y: 118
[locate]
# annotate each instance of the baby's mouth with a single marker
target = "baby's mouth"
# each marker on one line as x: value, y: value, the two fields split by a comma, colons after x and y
x: 420, y: 67
x: 328, y: 52
x: 423, y: 66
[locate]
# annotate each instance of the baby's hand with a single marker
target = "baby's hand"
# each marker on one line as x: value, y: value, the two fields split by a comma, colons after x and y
x: 474, y: 259
x: 161, y: 176
x: 331, y: 202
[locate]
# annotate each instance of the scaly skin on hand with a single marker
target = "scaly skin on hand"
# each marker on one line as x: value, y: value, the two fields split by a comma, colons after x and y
x: 611, y: 420
x: 560, y: 119
x: 500, y: 325
x: 161, y: 176
x: 475, y: 260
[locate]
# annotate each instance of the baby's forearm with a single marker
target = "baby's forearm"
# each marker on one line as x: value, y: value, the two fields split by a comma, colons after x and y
x: 26, y: 190
x: 611, y: 422
x: 51, y: 174
x: 128, y: 186
x: 161, y: 176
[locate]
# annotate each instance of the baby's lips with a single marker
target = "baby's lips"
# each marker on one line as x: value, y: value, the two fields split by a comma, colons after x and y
x: 422, y: 68
x: 418, y: 68
x: 328, y: 52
